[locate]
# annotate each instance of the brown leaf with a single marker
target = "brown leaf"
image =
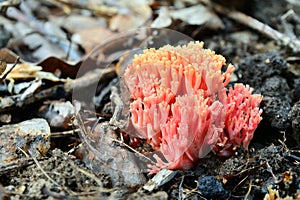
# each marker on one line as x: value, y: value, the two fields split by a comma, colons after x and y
x: 123, y: 22
x: 7, y: 55
x: 2, y: 66
x: 136, y: 13
x: 91, y: 37
x: 60, y: 67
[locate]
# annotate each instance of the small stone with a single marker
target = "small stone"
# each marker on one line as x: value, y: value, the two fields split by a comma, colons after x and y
x: 261, y: 70
x: 31, y: 136
x: 276, y: 86
x: 276, y: 112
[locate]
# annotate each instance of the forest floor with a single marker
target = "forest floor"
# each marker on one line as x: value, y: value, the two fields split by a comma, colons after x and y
x: 89, y: 157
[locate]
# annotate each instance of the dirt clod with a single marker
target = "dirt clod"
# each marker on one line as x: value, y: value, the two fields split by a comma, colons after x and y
x: 211, y: 188
x: 294, y: 117
x: 263, y: 66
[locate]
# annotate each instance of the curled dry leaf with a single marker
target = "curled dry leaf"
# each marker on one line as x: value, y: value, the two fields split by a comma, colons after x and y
x: 8, y: 56
x: 26, y: 70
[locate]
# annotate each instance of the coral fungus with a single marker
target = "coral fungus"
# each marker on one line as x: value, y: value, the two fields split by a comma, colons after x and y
x: 242, y: 117
x: 180, y: 105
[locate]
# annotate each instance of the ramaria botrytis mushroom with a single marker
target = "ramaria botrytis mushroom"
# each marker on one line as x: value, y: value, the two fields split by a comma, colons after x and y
x: 181, y: 106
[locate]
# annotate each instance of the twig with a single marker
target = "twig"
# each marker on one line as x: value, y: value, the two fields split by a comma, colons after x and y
x: 248, y: 169
x: 294, y: 157
x: 245, y: 178
x: 253, y: 23
x: 249, y: 190
x: 282, y: 142
x: 96, y: 123
x: 180, y: 189
x: 269, y: 169
x: 24, y: 152
x: 75, y: 148
x: 63, y: 133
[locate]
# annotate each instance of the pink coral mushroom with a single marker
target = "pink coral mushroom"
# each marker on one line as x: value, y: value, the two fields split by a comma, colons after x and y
x: 242, y: 117
x: 180, y: 104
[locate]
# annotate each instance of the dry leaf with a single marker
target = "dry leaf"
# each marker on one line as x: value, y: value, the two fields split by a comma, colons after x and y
x: 111, y: 159
x: 2, y: 66
x: 123, y: 22
x: 75, y: 22
x: 58, y: 114
x: 61, y: 68
x: 8, y: 56
x: 26, y: 71
x: 198, y: 15
x: 31, y: 89
x: 133, y: 14
x: 90, y: 38
x: 163, y: 20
